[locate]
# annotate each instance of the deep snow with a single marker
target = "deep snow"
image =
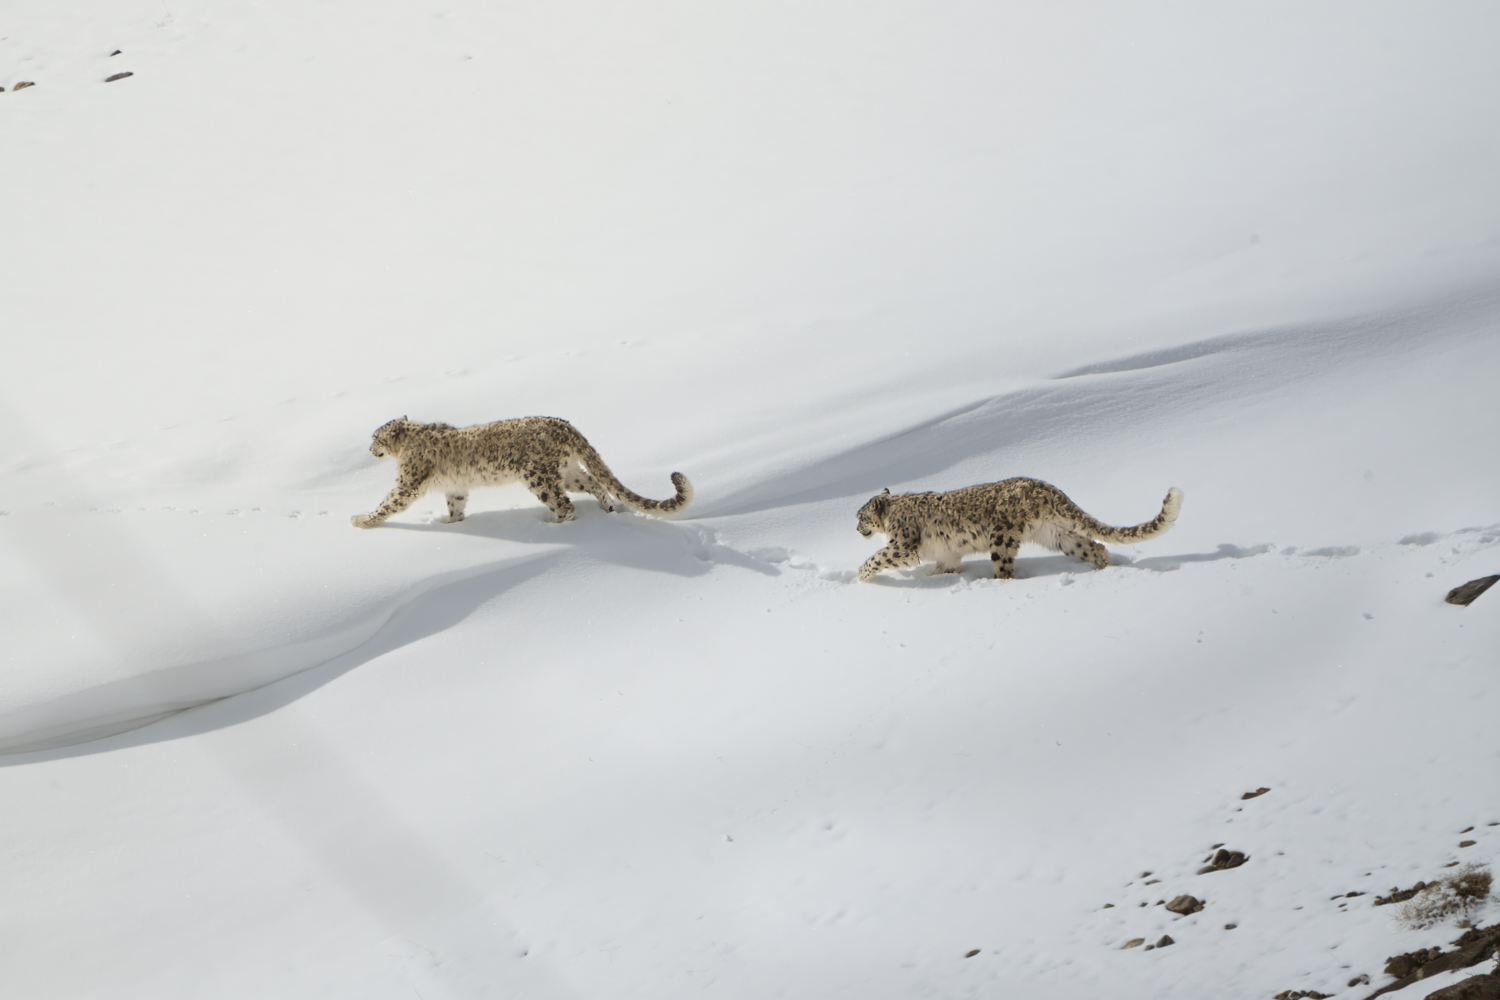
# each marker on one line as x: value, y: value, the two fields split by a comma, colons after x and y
x: 800, y: 253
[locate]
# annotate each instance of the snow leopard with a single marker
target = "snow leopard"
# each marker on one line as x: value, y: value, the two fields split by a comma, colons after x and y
x: 994, y: 518
x: 546, y: 453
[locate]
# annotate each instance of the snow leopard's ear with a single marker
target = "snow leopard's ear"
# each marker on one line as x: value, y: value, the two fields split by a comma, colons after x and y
x: 886, y: 492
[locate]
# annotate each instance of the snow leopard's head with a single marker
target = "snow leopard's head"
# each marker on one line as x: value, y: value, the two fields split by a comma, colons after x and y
x: 388, y: 437
x: 871, y: 516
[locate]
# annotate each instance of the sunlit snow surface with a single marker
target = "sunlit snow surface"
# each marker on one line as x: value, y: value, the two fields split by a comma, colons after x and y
x: 799, y: 252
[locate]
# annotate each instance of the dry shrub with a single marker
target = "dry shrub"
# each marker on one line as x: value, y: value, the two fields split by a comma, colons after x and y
x: 1466, y: 889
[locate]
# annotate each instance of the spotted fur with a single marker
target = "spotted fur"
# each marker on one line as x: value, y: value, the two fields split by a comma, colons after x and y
x: 547, y: 454
x: 994, y: 518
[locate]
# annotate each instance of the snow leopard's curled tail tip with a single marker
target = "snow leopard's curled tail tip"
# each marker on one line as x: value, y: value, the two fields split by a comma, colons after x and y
x: 1171, y: 506
x: 684, y: 494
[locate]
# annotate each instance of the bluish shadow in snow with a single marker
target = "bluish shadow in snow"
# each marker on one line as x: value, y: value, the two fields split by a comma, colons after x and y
x: 622, y: 539
x: 432, y: 612
x: 1166, y: 564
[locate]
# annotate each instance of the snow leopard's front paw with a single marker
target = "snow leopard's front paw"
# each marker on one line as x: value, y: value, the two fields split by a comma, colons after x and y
x: 868, y: 572
x: 451, y: 519
x: 364, y: 520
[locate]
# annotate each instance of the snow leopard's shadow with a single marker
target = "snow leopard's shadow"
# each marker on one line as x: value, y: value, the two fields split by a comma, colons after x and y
x: 624, y: 538
x: 1029, y: 568
x: 980, y: 571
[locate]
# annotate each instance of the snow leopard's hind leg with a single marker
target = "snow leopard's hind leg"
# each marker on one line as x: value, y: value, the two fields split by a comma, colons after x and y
x: 547, y: 486
x: 456, y: 503
x: 1073, y: 544
x: 577, y: 479
x: 1003, y: 549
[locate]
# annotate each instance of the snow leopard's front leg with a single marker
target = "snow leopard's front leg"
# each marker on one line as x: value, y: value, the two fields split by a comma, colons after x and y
x: 1003, y: 549
x: 899, y: 554
x: 456, y: 502
x: 410, y: 485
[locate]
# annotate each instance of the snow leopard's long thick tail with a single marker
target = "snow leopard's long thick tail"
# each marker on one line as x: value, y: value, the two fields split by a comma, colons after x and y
x: 1158, y: 525
x: 656, y: 508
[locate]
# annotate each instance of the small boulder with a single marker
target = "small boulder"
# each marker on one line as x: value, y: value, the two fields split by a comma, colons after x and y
x: 1462, y: 595
x: 1223, y: 860
x: 1133, y: 943
x: 1185, y: 905
x: 1165, y: 940
x: 29, y: 83
x: 1255, y: 794
x: 117, y: 76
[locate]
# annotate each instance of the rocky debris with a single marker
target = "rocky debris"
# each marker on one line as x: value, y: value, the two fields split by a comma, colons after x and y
x: 1473, y: 947
x: 117, y: 76
x: 1400, y: 895
x: 115, y: 52
x: 1108, y: 906
x: 1473, y: 988
x: 1230, y: 927
x: 971, y: 953
x: 1185, y: 905
x: 1363, y: 979
x: 1166, y: 939
x: 1133, y: 943
x: 1255, y: 794
x: 1346, y: 895
x: 1300, y: 994
x: 1464, y: 595
x: 1411, y: 961
x: 1467, y: 843
x: 1223, y: 860
x: 28, y: 83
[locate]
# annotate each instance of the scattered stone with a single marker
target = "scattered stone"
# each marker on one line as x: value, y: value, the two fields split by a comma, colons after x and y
x: 1185, y: 905
x: 1165, y: 940
x: 1473, y: 988
x: 1300, y: 994
x: 28, y: 83
x: 1224, y: 860
x: 1463, y: 595
x: 1133, y: 943
x: 971, y: 954
x: 117, y: 76
x: 1150, y: 947
x: 1261, y: 791
x: 1400, y: 895
x: 1466, y: 829
x: 1363, y: 979
x: 1467, y: 843
x: 115, y: 52
x: 1156, y: 880
x: 1109, y: 906
x: 1230, y: 927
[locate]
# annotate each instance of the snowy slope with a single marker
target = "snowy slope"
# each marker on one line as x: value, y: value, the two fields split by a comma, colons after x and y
x: 799, y: 253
